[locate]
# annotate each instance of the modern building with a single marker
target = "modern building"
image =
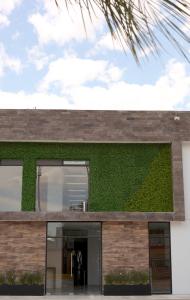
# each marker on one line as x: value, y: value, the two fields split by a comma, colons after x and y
x: 88, y: 198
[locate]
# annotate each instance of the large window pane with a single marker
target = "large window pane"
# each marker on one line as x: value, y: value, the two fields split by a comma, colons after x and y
x: 62, y: 188
x: 10, y: 186
x: 160, y: 262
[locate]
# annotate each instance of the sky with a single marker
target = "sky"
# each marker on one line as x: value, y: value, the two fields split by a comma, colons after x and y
x: 49, y: 61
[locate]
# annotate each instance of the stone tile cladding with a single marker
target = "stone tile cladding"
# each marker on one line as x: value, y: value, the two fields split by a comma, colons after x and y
x: 104, y: 126
x: 22, y: 246
x: 125, y: 246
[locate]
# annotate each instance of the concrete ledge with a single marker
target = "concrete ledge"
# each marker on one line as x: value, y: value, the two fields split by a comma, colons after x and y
x: 87, y: 216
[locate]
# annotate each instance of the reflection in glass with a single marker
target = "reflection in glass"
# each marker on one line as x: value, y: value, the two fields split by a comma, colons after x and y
x: 10, y: 188
x: 62, y: 188
x: 73, y: 258
x: 160, y: 263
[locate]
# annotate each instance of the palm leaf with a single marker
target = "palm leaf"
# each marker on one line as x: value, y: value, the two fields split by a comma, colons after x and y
x: 140, y: 24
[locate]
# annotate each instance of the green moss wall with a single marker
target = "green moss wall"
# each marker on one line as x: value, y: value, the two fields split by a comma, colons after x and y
x: 123, y: 177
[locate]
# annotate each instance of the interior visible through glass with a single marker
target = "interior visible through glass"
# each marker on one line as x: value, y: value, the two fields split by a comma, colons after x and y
x: 160, y: 261
x: 62, y: 188
x: 10, y: 188
x: 73, y: 258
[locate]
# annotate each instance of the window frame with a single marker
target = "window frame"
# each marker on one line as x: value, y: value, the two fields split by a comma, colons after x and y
x: 61, y: 163
x: 14, y: 163
x: 11, y: 162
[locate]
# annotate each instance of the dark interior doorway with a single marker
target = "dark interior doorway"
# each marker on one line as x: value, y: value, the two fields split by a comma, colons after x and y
x: 79, y: 264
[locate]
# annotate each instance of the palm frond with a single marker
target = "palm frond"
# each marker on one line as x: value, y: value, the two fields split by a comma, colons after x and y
x: 140, y: 24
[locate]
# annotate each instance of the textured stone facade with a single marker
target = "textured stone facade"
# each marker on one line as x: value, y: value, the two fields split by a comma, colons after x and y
x: 93, y: 126
x: 107, y: 127
x: 22, y: 246
x: 125, y: 246
x: 87, y: 216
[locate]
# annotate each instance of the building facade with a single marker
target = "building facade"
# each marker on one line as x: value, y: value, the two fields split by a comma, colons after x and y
x: 95, y: 200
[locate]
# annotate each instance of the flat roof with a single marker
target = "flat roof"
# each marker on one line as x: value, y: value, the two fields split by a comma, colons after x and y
x: 93, y: 126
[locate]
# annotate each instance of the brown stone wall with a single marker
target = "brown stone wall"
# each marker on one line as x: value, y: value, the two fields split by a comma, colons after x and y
x: 125, y: 246
x: 22, y: 246
x: 93, y: 126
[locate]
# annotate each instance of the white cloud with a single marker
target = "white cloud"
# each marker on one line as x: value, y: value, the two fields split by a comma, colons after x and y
x: 62, y: 25
x: 22, y: 100
x: 171, y: 90
x: 71, y: 71
x: 4, y: 21
x: 38, y: 57
x: 8, y: 62
x: 6, y: 8
x: 109, y: 43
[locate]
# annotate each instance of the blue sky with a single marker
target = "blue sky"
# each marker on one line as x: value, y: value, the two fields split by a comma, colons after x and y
x: 48, y: 61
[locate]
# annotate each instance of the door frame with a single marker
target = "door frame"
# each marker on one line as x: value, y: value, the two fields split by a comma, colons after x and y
x: 101, y: 259
x: 150, y: 270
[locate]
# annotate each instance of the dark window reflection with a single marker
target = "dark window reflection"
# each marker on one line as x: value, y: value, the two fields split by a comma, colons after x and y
x: 10, y: 187
x: 62, y: 188
x: 160, y: 262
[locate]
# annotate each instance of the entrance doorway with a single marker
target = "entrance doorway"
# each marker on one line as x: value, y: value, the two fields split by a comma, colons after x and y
x: 73, y: 258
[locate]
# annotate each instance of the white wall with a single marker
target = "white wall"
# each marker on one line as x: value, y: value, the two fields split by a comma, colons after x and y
x: 180, y: 235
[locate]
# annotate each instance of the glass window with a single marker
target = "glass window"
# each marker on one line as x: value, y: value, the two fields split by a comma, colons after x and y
x: 160, y: 262
x: 63, y: 186
x: 10, y: 185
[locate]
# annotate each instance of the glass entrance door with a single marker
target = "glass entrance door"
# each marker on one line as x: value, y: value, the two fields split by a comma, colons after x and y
x: 73, y: 258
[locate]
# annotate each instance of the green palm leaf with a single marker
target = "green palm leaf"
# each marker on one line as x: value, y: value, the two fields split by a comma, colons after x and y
x: 141, y: 24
